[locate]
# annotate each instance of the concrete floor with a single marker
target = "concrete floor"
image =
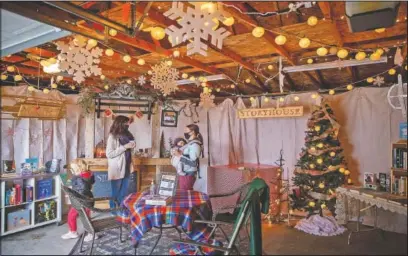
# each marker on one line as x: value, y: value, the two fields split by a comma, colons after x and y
x: 277, y: 239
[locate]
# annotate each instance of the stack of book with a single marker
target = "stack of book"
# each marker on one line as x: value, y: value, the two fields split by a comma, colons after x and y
x: 400, y: 185
x: 400, y: 158
x: 157, y: 200
x: 18, y: 195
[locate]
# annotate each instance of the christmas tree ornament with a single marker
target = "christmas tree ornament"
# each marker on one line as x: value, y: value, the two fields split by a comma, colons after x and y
x: 157, y: 33
x: 195, y: 24
x: 378, y: 80
x: 320, y: 145
x: 102, y: 77
x: 106, y: 87
x: 380, y: 30
x: 332, y: 92
x: 258, y: 32
x: 342, y: 53
x: 141, y: 80
x: 109, y: 52
x: 79, y: 59
x: 349, y: 87
x: 127, y: 58
x: 317, y: 128
x: 323, y: 206
x: 113, y: 32
x: 321, y: 185
x: 312, y: 204
x: 141, y: 62
x: 164, y: 78
x: 319, y: 161
x: 346, y: 172
x: 312, y: 21
x: 342, y: 170
x: 361, y: 56
x: 18, y: 78
x: 322, y: 51
x: 392, y: 71
x: 11, y: 69
x: 280, y: 40
x: 309, y: 61
x: 332, y: 154
x: 304, y: 42
x: 312, y: 166
x: 370, y: 80
x: 333, y: 50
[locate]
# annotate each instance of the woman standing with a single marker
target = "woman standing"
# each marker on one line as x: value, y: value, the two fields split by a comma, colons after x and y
x: 190, y: 157
x: 119, y: 153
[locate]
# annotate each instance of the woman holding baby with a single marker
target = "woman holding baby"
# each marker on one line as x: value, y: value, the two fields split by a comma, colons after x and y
x: 119, y: 153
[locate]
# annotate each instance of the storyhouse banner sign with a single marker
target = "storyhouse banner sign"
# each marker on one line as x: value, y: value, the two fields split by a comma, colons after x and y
x: 270, y: 112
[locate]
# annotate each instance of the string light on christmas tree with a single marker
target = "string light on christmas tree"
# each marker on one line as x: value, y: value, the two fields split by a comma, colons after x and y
x: 312, y: 204
x: 109, y: 52
x: 322, y: 206
x: 312, y: 21
x: 247, y: 80
x: 54, y: 86
x: 314, y: 96
x: 320, y: 145
x: 304, y: 42
x: 192, y: 78
x: 346, y: 172
x: 321, y: 185
x: 317, y: 128
x: 281, y: 99
x: 280, y: 40
x: 73, y: 87
x: 332, y: 154
x: 322, y: 51
x: 342, y: 170
x: 157, y: 33
x: 92, y: 43
x: 392, y: 71
x: 313, y: 149
x: 319, y: 161
x: 176, y: 53
x: 379, y: 51
x: 229, y: 21
x: 312, y: 166
x: 258, y: 32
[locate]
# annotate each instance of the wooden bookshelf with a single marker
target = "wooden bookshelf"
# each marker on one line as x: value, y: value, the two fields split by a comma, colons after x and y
x: 398, y: 172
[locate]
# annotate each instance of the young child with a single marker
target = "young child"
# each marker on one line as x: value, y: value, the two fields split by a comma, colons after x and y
x: 179, y: 143
x: 82, y: 182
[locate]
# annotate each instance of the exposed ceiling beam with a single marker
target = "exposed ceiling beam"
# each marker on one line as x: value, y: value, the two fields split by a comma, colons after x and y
x: 259, y: 82
x: 323, y: 84
x: 328, y: 14
x: 292, y: 86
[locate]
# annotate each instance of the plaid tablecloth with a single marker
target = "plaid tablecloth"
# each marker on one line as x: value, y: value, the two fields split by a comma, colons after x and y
x: 181, y: 212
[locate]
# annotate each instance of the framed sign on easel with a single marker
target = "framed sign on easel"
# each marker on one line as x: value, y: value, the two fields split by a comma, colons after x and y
x: 167, y: 184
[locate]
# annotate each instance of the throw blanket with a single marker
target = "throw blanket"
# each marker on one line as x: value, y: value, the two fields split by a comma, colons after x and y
x: 320, y: 226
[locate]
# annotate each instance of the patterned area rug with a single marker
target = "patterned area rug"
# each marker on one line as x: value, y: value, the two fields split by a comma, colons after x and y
x: 109, y: 244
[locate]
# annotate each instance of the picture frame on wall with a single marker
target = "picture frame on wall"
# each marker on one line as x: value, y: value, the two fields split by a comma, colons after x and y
x: 169, y: 118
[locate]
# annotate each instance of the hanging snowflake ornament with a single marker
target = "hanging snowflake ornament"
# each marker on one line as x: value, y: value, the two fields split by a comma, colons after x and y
x: 379, y: 80
x: 164, y: 78
x: 141, y: 80
x: 207, y: 100
x: 79, y: 58
x: 196, y: 24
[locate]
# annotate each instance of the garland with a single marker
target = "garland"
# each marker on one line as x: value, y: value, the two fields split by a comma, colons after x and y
x: 318, y: 173
x: 320, y: 152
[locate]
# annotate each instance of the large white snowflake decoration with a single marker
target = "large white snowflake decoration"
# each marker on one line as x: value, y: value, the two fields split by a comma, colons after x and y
x: 79, y: 58
x: 196, y: 24
x: 164, y: 78
x: 207, y: 100
x: 141, y: 80
x: 379, y: 80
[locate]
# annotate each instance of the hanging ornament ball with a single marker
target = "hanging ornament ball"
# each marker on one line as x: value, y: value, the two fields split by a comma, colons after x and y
x: 281, y: 99
x: 309, y: 61
x: 184, y: 75
x: 333, y: 50
x: 321, y: 185
x: 361, y: 56
x: 109, y: 52
x: 320, y: 145
x: 54, y: 86
x: 296, y: 98
x: 73, y: 87
x: 91, y: 42
x: 11, y: 69
x: 322, y: 206
x: 317, y: 128
x: 322, y: 51
x: 370, y: 80
x: 380, y: 30
x: 312, y: 166
x: 127, y: 58
x: 270, y: 67
x: 157, y: 33
x: 332, y: 153
x: 18, y: 78
x: 258, y: 31
x: 232, y: 86
x: 312, y: 21
x: 149, y: 72
x: 3, y: 77
x: 106, y: 87
x: 247, y: 80
x: 169, y: 63
x: 218, y: 89
x: 314, y: 96
x: 342, y: 170
x: 102, y: 77
x: 176, y: 53
x: 312, y: 204
x: 375, y: 56
x: 379, y: 51
x: 392, y: 71
x: 60, y: 78
x: 46, y: 91
x: 349, y: 87
x: 313, y: 149
x: 280, y: 40
x: 319, y: 161
x: 304, y: 42
x: 129, y: 81
x: 229, y: 21
x: 346, y: 172
x: 113, y: 32
x: 342, y: 53
x: 332, y: 92
x: 266, y: 99
x: 141, y: 62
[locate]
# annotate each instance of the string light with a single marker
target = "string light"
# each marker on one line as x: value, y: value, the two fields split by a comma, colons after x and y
x: 232, y: 86
x: 229, y: 21
x: 333, y: 50
x: 304, y: 42
x: 18, y: 78
x: 392, y: 71
x: 218, y: 89
x: 157, y: 33
x: 380, y: 30
x: 258, y: 32
x: 266, y: 99
x: 113, y: 32
x: 46, y: 91
x: 322, y: 51
x: 102, y: 77
x: 11, y: 69
x: 30, y: 88
x: 270, y: 67
x: 184, y: 75
x: 342, y: 53
x: 361, y: 56
x: 349, y: 87
x: 331, y: 92
x: 3, y: 77
x: 309, y: 61
x: 169, y: 63
x: 314, y: 96
x: 281, y: 99
x: 312, y: 21
x: 141, y: 62
x: 370, y: 80
x: 280, y: 40
x: 127, y: 58
x: 176, y: 53
x: 106, y: 87
x: 247, y: 80
x: 73, y: 87
x: 296, y: 98
x: 60, y: 78
x: 109, y: 52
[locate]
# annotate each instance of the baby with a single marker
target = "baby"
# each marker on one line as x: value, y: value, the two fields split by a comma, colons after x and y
x: 175, y: 160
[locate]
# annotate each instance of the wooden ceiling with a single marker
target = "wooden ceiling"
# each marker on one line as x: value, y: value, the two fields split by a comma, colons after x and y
x: 241, y: 48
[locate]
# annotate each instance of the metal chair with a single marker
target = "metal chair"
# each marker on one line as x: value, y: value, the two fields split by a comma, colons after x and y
x: 80, y: 203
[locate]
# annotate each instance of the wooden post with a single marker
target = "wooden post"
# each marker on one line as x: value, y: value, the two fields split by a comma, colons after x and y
x: 156, y: 137
x: 90, y: 135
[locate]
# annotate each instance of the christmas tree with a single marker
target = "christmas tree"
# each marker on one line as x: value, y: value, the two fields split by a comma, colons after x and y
x: 321, y: 167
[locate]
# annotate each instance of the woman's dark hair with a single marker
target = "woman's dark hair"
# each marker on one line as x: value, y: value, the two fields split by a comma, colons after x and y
x: 119, y: 127
x: 196, y: 130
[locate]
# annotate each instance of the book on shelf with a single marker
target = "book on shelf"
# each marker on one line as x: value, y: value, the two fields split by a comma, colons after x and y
x: 400, y: 158
x: 29, y: 196
x: 383, y: 181
x: 400, y: 185
x: 46, y: 211
x: 44, y: 188
x: 18, y: 219
x: 157, y: 200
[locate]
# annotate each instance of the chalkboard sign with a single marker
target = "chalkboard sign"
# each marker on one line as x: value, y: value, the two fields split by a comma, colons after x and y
x: 102, y: 186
